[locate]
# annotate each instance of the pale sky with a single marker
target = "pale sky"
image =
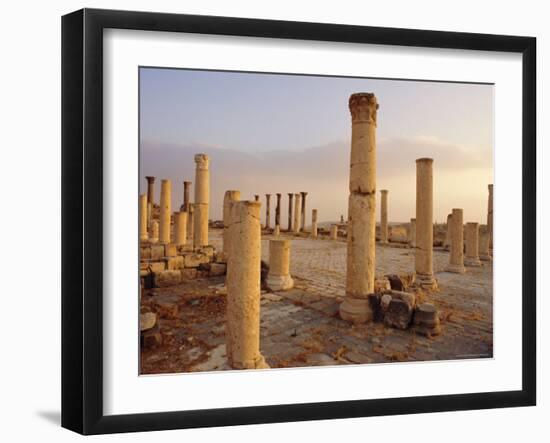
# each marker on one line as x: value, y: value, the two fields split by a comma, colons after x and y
x: 269, y: 133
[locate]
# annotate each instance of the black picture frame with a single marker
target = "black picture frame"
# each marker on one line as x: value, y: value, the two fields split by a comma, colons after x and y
x: 82, y: 218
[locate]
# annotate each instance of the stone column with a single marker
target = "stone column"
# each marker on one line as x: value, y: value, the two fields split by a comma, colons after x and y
x: 297, y: 213
x: 143, y: 217
x: 165, y: 211
x: 334, y: 232
x: 180, y: 228
x: 278, y: 211
x: 490, y: 217
x: 384, y: 216
x: 202, y: 200
x: 191, y: 222
x: 229, y: 199
x: 412, y: 233
x: 290, y: 197
x: 424, y: 224
x: 149, y: 215
x: 278, y: 278
x: 150, y: 189
x: 455, y: 228
x: 154, y: 238
x: 314, y: 223
x: 361, y: 210
x: 243, y: 288
x: 447, y: 243
x: 267, y: 210
x: 186, y: 189
x: 303, y: 216
x: 484, y: 244
x: 472, y: 245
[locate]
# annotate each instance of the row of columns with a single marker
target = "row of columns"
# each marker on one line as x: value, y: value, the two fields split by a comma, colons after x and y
x: 192, y: 220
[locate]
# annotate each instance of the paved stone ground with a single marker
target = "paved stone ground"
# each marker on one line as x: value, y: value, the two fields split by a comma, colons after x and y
x: 301, y: 327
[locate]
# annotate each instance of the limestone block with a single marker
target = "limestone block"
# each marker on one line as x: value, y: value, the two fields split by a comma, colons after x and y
x: 157, y: 266
x: 382, y: 285
x: 407, y: 297
x: 426, y: 320
x: 398, y: 314
x: 174, y: 263
x: 145, y: 253
x: 170, y: 250
x: 193, y: 260
x: 208, y: 251
x: 164, y: 279
x: 157, y: 252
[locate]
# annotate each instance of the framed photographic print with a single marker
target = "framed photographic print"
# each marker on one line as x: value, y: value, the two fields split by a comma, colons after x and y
x: 269, y: 221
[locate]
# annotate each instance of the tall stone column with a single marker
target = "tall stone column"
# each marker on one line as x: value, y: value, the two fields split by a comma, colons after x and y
x: 455, y: 228
x: 290, y: 197
x: 297, y: 214
x: 202, y: 200
x: 412, y: 233
x: 472, y: 245
x: 191, y: 223
x: 180, y: 228
x: 361, y: 209
x: 424, y: 224
x: 143, y: 217
x: 150, y: 189
x: 490, y: 217
x: 314, y: 223
x: 243, y: 287
x: 149, y: 215
x: 334, y: 232
x: 303, y: 216
x: 229, y: 199
x: 484, y: 245
x: 267, y: 210
x: 278, y: 211
x: 165, y: 211
x: 278, y: 278
x: 384, y: 216
x: 186, y: 190
x: 447, y: 242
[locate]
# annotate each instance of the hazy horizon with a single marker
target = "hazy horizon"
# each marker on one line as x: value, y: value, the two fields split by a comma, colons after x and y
x: 268, y: 133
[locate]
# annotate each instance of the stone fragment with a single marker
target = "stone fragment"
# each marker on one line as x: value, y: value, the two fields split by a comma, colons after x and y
x: 426, y: 320
x: 407, y: 297
x: 396, y: 283
x: 147, y: 321
x: 382, y: 285
x: 157, y: 266
x: 152, y: 338
x: 278, y: 278
x: 157, y: 252
x: 398, y: 314
x: 193, y: 260
x: 217, y: 269
x: 385, y: 302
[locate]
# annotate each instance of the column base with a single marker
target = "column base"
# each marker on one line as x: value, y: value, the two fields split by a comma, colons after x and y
x: 457, y: 269
x: 356, y: 310
x: 486, y: 257
x: 472, y: 261
x: 279, y: 282
x: 426, y: 281
x: 258, y: 363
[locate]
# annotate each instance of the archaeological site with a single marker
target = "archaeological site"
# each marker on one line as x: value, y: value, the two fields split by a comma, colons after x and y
x: 240, y: 274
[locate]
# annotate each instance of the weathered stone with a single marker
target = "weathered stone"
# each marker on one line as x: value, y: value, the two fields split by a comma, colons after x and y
x: 174, y: 263
x: 157, y: 252
x: 455, y: 227
x: 217, y: 269
x: 180, y: 228
x: 396, y: 283
x: 385, y: 302
x: 398, y: 314
x: 297, y: 213
x: 147, y: 321
x: 384, y: 216
x: 407, y: 297
x: 165, y: 211
x: 143, y: 234
x: 145, y: 253
x: 188, y: 274
x: 170, y: 250
x: 164, y: 279
x: 472, y: 245
x: 194, y: 260
x: 208, y: 251
x: 382, y: 285
x: 202, y: 200
x: 426, y: 320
